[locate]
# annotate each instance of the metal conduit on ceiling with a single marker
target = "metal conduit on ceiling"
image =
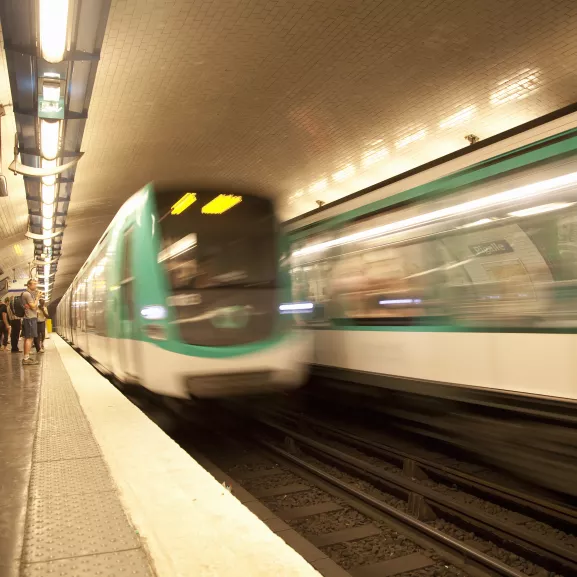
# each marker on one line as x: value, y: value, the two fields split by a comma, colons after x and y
x: 52, y: 50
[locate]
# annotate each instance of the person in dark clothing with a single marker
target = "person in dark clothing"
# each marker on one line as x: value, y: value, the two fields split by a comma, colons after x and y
x: 16, y: 327
x: 4, y: 324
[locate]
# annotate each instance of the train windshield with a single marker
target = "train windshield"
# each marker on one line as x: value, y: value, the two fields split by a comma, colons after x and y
x: 219, y: 252
x: 217, y: 241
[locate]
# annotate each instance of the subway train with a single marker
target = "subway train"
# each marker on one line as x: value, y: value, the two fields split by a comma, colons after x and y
x: 454, y: 293
x: 184, y: 294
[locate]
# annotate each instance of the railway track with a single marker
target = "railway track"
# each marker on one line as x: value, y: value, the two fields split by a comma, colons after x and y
x: 340, y: 535
x: 435, y: 468
x: 539, y: 531
x: 366, y: 505
x: 533, y: 444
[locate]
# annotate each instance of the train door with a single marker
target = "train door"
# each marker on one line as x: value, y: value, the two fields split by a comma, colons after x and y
x: 74, y: 313
x: 126, y: 317
x: 82, y: 310
x: 68, y: 314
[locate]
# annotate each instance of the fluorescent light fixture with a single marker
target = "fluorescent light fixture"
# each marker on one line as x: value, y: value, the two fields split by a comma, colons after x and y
x: 459, y: 117
x: 47, y: 224
x: 533, y: 190
x: 51, y: 90
x: 294, y: 196
x: 400, y: 302
x: 375, y: 156
x: 153, y: 312
x: 221, y: 203
x: 296, y: 307
x: 542, y: 208
x: 411, y: 138
x: 183, y: 203
x: 47, y: 242
x: 319, y: 186
x: 49, y: 138
x: 48, y: 193
x: 516, y: 88
x: 478, y: 222
x: 49, y: 180
x: 53, y: 26
x: 179, y: 247
x: 343, y: 174
x: 18, y: 249
x: 48, y: 210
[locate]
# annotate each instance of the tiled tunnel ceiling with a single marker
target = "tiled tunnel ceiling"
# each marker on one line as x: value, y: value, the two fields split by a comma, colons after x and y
x: 312, y: 99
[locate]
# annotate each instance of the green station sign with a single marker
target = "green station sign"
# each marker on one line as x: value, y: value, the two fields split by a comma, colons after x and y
x: 51, y: 108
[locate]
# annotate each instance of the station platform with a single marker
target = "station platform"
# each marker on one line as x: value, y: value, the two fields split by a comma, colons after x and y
x: 90, y: 486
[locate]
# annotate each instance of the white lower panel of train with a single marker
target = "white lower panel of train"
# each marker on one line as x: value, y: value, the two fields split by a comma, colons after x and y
x: 173, y: 374
x: 528, y: 363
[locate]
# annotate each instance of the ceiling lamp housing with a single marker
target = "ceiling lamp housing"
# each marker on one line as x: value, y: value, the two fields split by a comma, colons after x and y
x: 49, y: 138
x: 53, y: 28
x: 48, y: 193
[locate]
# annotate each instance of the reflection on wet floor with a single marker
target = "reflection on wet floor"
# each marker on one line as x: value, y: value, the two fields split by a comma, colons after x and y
x: 19, y: 394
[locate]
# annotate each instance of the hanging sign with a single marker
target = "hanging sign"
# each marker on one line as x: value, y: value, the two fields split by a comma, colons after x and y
x: 53, y: 109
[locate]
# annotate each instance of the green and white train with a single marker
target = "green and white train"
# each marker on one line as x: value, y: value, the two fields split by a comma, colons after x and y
x: 448, y: 298
x: 184, y: 294
x: 469, y: 279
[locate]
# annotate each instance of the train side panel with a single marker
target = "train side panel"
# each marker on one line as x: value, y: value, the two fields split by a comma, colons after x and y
x: 523, y: 363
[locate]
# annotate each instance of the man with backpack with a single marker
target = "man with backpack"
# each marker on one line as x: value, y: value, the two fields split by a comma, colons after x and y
x: 30, y: 298
x: 15, y: 314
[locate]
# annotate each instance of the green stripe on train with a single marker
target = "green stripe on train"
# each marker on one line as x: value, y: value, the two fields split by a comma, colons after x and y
x: 448, y: 184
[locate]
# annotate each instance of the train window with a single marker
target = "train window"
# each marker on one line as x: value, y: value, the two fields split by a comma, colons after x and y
x: 126, y: 283
x: 220, y: 260
x: 512, y: 264
x: 204, y: 251
x: 79, y: 305
x: 127, y: 257
x: 98, y: 294
x: 90, y: 310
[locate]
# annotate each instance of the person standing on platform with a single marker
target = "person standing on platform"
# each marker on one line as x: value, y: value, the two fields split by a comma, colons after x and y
x: 4, y: 324
x: 15, y: 325
x: 42, y: 316
x: 30, y: 300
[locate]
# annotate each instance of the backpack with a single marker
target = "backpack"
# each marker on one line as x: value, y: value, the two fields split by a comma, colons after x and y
x: 18, y: 307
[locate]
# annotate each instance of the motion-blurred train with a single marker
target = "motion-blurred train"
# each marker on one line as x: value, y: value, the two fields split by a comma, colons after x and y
x: 184, y: 295
x: 454, y: 291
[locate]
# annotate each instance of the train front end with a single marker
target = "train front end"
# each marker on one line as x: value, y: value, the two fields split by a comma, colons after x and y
x: 218, y: 330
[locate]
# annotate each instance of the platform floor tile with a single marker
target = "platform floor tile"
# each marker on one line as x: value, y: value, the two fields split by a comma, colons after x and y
x: 75, y: 522
x: 129, y: 563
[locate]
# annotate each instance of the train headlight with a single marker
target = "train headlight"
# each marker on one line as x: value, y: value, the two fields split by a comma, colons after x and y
x: 153, y: 312
x: 155, y: 332
x: 296, y: 308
